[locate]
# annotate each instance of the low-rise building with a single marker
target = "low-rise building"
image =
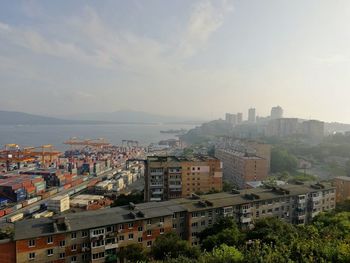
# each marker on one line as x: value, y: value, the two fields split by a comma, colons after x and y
x: 94, y: 235
x: 58, y: 204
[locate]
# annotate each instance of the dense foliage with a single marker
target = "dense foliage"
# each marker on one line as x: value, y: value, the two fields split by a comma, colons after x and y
x: 136, y: 198
x: 282, y: 161
x: 326, y: 239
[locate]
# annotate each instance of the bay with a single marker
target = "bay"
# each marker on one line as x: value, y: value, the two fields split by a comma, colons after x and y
x: 36, y: 135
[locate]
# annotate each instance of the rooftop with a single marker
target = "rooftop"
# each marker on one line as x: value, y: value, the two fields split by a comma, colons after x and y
x: 242, y: 155
x: 344, y: 178
x: 171, y: 158
x: 94, y: 219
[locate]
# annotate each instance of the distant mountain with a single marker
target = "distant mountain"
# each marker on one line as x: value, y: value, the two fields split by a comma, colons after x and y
x: 21, y: 118
x: 133, y: 117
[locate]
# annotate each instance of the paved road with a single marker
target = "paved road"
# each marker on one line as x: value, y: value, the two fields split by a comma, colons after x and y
x: 22, y: 210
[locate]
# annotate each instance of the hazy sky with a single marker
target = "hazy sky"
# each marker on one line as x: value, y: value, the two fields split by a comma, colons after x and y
x: 197, y: 58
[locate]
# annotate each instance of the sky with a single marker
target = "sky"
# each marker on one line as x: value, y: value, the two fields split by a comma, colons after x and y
x: 178, y: 58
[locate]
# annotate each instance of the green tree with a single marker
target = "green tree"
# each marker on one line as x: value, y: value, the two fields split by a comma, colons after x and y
x: 282, y: 161
x: 272, y: 231
x: 136, y: 198
x: 170, y: 245
x: 133, y: 253
x: 222, y: 254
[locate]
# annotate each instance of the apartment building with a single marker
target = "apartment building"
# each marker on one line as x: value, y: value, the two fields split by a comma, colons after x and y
x: 313, y: 129
x: 168, y: 177
x: 94, y: 235
x: 342, y: 185
x: 242, y: 167
x: 295, y: 204
x: 283, y: 127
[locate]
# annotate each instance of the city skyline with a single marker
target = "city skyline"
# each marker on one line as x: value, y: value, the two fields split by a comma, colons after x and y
x: 176, y: 57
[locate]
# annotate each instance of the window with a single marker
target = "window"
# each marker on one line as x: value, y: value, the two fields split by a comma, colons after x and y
x: 62, y: 243
x: 32, y: 256
x: 74, y: 235
x: 31, y: 243
x: 149, y: 221
x: 84, y: 234
x: 73, y: 259
x: 130, y: 225
x: 50, y: 240
x: 139, y: 239
x: 98, y: 232
x: 131, y: 236
x: 149, y: 233
x: 74, y: 247
x: 98, y: 243
x: 149, y: 243
x: 202, y: 223
x: 85, y: 257
x: 161, y: 220
x: 49, y: 252
x: 202, y: 213
x: 174, y: 215
x: 98, y: 255
x: 109, y: 229
x: 121, y: 238
x: 161, y: 231
x: 174, y: 226
x: 195, y: 224
x: 140, y: 229
x: 85, y: 245
x: 62, y: 255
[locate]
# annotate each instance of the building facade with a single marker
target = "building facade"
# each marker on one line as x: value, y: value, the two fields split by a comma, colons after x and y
x: 276, y: 112
x: 342, y: 185
x: 313, y: 129
x: 282, y: 127
x: 241, y: 167
x: 168, y: 177
x: 252, y: 115
x: 95, y: 235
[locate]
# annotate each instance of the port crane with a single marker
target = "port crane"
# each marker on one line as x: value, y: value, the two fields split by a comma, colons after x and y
x: 13, y: 153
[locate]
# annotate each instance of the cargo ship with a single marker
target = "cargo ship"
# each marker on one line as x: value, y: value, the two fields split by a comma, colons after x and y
x: 172, y: 131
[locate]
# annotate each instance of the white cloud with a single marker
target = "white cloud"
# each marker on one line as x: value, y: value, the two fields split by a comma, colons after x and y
x: 332, y: 59
x: 204, y: 21
x: 4, y: 27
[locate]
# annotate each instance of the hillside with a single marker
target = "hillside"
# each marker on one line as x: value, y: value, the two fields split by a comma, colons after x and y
x: 124, y: 116
x: 21, y: 118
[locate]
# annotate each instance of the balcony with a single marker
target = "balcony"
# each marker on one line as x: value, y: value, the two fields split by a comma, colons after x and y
x: 316, y: 198
x: 156, y: 173
x: 246, y: 211
x: 111, y: 246
x: 245, y: 220
x: 175, y: 186
x: 155, y: 199
x: 157, y: 192
x: 156, y: 184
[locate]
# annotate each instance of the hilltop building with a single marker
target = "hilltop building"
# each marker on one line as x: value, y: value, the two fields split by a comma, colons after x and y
x: 276, y: 113
x: 252, y: 115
